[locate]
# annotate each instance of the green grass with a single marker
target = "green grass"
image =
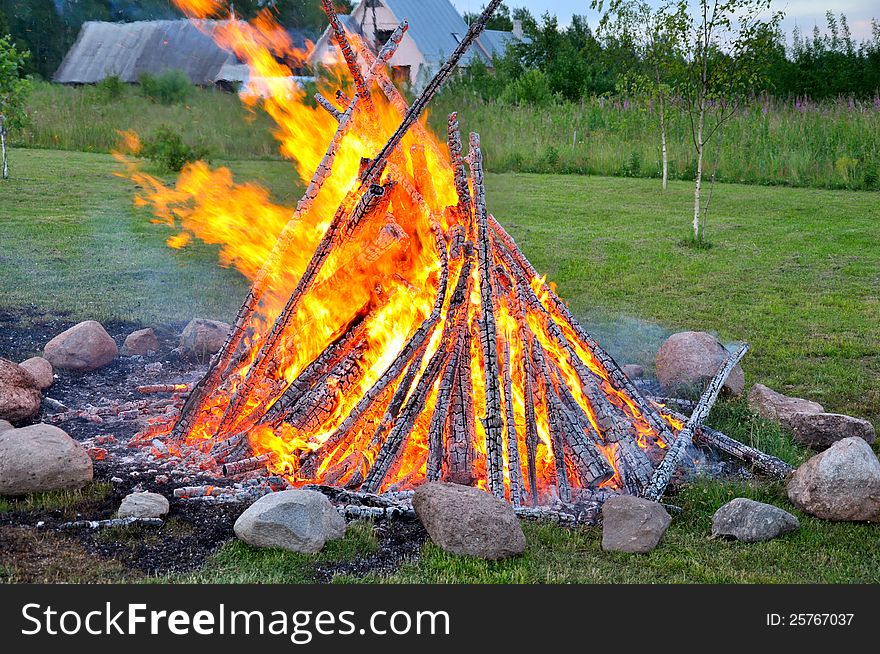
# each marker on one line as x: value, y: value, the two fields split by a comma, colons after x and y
x: 79, y: 118
x: 64, y: 500
x: 238, y: 563
x: 827, y: 146
x: 820, y: 552
x: 793, y: 271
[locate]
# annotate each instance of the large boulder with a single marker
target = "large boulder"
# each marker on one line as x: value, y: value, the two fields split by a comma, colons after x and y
x: 691, y: 359
x: 822, y: 430
x: 778, y: 407
x: 19, y: 396
x: 751, y: 521
x: 140, y: 343
x: 41, y: 370
x: 41, y: 458
x: 632, y: 524
x: 201, y: 338
x: 467, y: 521
x: 841, y: 483
x: 143, y: 505
x: 296, y: 520
x: 82, y: 348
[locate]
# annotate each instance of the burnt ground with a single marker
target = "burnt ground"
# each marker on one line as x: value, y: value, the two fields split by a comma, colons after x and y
x: 34, y: 547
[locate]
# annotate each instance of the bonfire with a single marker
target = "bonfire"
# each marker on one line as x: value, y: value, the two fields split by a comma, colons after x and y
x: 394, y: 333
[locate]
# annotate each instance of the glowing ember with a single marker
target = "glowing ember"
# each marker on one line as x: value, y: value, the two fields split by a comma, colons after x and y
x: 394, y: 333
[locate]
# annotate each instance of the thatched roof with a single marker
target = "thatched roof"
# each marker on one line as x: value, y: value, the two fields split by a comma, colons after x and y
x: 131, y: 49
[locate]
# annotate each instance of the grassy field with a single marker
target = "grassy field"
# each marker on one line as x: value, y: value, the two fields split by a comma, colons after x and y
x: 834, y: 145
x: 795, y: 272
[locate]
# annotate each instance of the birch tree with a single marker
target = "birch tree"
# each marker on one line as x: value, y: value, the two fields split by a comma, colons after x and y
x: 13, y: 91
x: 723, y: 46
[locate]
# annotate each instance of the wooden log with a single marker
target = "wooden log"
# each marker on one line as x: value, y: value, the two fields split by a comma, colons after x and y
x: 329, y: 107
x: 112, y: 522
x: 513, y: 464
x: 431, y: 89
x: 150, y: 389
x: 453, y: 141
x: 246, y: 465
x: 492, y: 422
x: 461, y: 424
x: 530, y: 385
x: 616, y: 374
x: 678, y: 450
x: 354, y: 69
x: 764, y: 463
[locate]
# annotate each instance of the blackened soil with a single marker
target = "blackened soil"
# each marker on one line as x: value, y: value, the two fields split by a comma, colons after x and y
x: 36, y: 549
x: 399, y: 541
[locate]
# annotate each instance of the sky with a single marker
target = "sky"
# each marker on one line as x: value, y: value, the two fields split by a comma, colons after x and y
x: 801, y: 13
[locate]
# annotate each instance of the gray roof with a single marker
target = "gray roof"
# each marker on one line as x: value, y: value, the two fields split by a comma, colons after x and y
x: 435, y: 26
x: 131, y: 49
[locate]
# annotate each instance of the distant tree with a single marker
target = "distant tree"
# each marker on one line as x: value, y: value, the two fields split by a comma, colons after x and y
x: 14, y: 88
x: 501, y: 20
x: 651, y: 34
x: 723, y: 50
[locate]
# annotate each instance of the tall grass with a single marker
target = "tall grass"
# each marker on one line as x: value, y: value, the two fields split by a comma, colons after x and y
x: 831, y: 145
x: 87, y: 119
x: 795, y: 143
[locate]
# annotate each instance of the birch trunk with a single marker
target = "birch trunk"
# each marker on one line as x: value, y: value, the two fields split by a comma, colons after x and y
x: 3, y: 147
x: 663, y: 143
x: 698, y: 232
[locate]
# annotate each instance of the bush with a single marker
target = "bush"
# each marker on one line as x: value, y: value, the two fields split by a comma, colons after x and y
x: 110, y: 88
x: 167, y: 149
x: 170, y: 87
x: 530, y: 89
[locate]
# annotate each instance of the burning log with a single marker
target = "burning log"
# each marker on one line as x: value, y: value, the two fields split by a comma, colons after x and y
x: 150, y: 389
x: 189, y: 492
x: 492, y: 423
x: 246, y: 465
x: 663, y: 473
x: 513, y: 465
x: 329, y: 107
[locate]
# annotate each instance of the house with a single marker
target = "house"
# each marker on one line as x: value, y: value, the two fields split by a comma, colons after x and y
x: 128, y: 50
x: 435, y: 30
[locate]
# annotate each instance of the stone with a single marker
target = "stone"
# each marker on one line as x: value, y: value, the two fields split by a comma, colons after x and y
x: 633, y: 371
x: 143, y: 505
x: 778, y: 407
x: 82, y: 348
x: 632, y: 524
x: 691, y: 359
x: 41, y: 370
x: 841, y: 483
x: 19, y: 396
x: 201, y: 338
x: 296, y: 520
x: 41, y: 458
x: 5, y: 425
x: 140, y: 343
x: 820, y: 431
x: 751, y: 521
x: 467, y: 521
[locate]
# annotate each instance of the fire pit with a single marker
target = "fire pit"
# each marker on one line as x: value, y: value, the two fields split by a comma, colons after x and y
x: 416, y: 342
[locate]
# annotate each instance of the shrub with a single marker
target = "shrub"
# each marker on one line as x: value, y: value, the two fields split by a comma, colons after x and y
x: 530, y: 89
x: 110, y: 88
x: 170, y: 87
x: 167, y: 149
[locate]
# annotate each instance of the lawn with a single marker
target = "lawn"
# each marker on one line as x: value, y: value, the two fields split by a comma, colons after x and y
x: 795, y: 272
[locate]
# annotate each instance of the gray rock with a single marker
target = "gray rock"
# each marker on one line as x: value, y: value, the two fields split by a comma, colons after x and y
x: 467, y: 521
x: 19, y: 396
x: 632, y: 524
x: 691, y: 359
x: 296, y: 520
x: 778, y: 407
x: 82, y: 348
x: 841, y: 483
x: 201, y: 338
x: 751, y: 521
x: 41, y: 370
x: 140, y: 343
x: 41, y: 458
x: 5, y: 425
x: 143, y: 505
x: 633, y: 371
x: 821, y: 430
